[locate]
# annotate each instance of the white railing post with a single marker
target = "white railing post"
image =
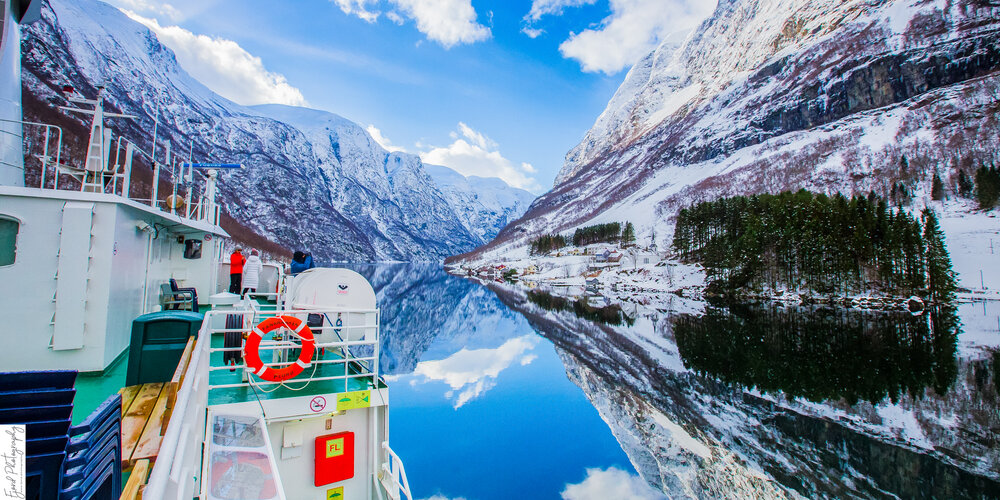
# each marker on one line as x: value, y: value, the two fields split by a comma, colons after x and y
x: 45, y: 158
x: 127, y: 179
x: 156, y: 184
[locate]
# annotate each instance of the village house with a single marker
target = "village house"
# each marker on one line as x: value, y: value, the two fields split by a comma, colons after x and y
x: 636, y: 257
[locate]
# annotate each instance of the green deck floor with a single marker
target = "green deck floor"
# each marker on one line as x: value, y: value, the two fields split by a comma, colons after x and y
x: 93, y: 389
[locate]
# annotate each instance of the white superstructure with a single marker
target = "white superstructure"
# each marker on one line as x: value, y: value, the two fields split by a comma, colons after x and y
x: 81, y: 258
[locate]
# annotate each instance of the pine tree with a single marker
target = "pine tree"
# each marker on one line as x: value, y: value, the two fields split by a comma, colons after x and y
x: 964, y: 184
x: 937, y: 188
x: 987, y: 186
x: 628, y: 234
x: 940, y: 278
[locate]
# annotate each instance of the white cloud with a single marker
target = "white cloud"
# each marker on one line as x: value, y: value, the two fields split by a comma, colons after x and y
x: 448, y: 22
x: 382, y: 140
x: 540, y: 8
x: 477, y: 138
x: 611, y: 483
x: 395, y: 17
x: 223, y: 66
x: 358, y: 8
x: 473, y: 372
x: 633, y: 29
x: 150, y: 8
x: 532, y: 32
x: 473, y: 153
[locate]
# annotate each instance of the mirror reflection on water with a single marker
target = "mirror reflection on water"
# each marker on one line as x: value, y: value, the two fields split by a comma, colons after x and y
x: 498, y: 391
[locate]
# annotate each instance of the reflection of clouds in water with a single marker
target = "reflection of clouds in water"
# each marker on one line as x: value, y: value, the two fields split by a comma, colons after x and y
x: 611, y: 483
x: 472, y: 373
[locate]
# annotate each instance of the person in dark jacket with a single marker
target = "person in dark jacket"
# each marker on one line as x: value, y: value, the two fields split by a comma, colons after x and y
x: 300, y: 262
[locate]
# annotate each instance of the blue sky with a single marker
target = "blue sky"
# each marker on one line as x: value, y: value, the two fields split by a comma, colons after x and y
x: 499, y: 88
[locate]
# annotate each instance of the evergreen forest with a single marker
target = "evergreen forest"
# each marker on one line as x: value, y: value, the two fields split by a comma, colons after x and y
x: 612, y: 232
x: 599, y: 233
x: 547, y: 243
x: 827, y: 244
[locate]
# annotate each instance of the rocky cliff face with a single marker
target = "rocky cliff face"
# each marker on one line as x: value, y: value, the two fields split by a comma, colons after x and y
x: 769, y: 95
x: 314, y: 180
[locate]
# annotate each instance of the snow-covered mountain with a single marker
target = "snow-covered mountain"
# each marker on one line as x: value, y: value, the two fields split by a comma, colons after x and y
x: 484, y: 204
x: 772, y: 95
x: 314, y: 180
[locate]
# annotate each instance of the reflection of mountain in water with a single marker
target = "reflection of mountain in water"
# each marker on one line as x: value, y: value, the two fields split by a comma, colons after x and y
x: 696, y: 436
x: 428, y: 314
x: 821, y: 353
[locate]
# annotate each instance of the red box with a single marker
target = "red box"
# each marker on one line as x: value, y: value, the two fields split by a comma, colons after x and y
x: 334, y: 458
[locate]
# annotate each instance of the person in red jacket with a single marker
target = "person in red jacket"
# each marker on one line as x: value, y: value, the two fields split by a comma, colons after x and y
x: 236, y: 262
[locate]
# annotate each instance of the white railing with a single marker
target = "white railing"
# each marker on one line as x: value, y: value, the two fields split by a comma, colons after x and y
x: 44, y: 158
x: 361, y: 325
x: 393, y: 476
x: 178, y: 463
x: 110, y: 175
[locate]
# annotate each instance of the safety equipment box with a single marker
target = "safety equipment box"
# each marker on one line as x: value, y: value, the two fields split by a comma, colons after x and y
x: 334, y: 458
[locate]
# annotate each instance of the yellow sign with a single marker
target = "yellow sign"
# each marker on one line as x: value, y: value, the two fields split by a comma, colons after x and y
x: 335, y: 493
x: 352, y: 400
x: 334, y: 447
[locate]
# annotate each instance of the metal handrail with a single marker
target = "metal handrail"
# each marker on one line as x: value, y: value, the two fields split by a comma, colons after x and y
x: 168, y: 477
x: 367, y: 365
x: 45, y: 147
x: 393, y: 469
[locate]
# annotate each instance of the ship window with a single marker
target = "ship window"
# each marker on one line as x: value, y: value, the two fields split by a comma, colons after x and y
x: 8, y: 240
x: 192, y: 249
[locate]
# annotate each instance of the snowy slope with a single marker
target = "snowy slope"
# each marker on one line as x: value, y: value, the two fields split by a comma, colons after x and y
x: 484, y: 204
x: 772, y: 95
x: 314, y: 179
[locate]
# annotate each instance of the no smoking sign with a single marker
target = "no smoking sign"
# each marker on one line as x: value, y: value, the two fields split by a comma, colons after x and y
x: 317, y: 404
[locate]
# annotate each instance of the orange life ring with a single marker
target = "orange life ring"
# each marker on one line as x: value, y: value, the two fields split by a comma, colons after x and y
x: 252, y: 356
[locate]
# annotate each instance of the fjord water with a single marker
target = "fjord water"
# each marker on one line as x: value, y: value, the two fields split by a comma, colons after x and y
x: 499, y: 392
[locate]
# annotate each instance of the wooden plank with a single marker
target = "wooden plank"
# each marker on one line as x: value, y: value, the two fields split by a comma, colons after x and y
x: 136, y: 417
x: 152, y: 435
x: 185, y: 360
x: 137, y: 479
x: 128, y: 395
x: 175, y: 382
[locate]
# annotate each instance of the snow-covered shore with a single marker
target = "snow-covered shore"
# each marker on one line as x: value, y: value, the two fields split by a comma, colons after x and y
x: 640, y: 274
